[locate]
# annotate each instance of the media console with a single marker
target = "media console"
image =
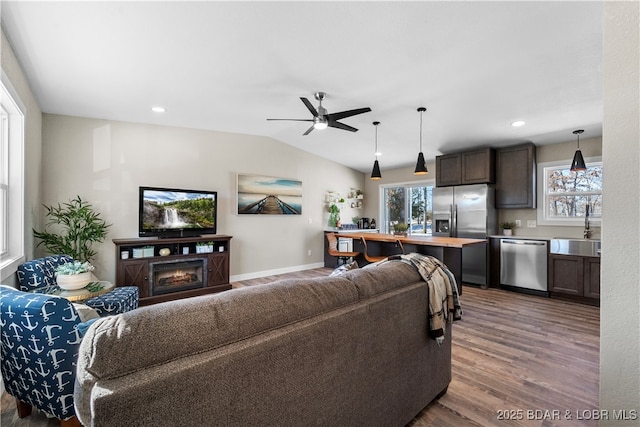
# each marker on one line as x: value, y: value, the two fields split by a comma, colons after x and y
x: 173, y: 268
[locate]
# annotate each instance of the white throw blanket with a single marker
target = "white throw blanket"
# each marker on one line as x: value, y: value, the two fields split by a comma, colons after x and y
x: 444, y: 301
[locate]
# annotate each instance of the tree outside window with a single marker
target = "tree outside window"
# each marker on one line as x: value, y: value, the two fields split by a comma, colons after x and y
x: 567, y: 193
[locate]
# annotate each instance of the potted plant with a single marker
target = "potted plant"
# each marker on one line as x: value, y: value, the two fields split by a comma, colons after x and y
x: 73, y: 275
x: 400, y: 229
x: 71, y: 229
x: 507, y: 228
x: 334, y: 215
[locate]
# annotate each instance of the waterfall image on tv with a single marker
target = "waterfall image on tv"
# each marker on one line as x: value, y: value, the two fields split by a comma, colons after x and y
x: 170, y: 210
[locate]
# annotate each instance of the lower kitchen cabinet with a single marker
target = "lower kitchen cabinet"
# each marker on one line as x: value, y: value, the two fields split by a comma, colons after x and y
x: 575, y: 277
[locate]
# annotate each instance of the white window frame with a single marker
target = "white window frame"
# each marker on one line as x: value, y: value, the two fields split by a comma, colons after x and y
x: 12, y: 169
x: 543, y: 217
x: 382, y: 214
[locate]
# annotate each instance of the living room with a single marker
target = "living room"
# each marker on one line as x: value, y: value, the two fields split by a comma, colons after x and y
x: 106, y: 160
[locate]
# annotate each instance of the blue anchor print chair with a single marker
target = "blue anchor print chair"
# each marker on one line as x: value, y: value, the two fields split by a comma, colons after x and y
x: 39, y: 342
x: 40, y: 272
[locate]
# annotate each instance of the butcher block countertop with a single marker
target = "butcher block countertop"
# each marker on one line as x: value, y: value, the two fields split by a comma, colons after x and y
x: 448, y: 242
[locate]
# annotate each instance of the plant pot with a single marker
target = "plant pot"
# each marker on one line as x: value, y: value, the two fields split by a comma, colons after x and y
x: 507, y: 232
x: 70, y: 282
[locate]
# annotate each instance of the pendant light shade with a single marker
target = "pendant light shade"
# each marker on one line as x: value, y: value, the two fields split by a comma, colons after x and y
x: 375, y: 172
x: 421, y: 165
x: 578, y: 161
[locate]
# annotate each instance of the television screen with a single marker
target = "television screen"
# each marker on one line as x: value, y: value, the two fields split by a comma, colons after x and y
x: 170, y: 212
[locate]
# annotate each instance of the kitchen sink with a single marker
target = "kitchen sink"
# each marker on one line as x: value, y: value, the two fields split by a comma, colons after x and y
x: 572, y: 246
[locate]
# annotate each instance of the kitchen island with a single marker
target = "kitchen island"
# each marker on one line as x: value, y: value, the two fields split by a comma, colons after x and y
x: 446, y: 249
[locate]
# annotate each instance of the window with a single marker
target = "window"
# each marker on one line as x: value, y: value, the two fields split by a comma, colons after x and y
x: 409, y: 203
x: 11, y: 179
x: 567, y: 194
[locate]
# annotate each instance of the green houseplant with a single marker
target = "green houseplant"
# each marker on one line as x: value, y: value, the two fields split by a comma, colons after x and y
x: 507, y: 228
x: 400, y: 229
x: 334, y: 215
x: 71, y: 229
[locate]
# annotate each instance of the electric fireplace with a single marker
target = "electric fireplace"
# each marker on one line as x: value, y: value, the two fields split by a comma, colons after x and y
x: 177, y: 275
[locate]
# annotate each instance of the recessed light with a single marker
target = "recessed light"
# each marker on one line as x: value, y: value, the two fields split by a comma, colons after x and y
x: 158, y: 109
x: 517, y: 123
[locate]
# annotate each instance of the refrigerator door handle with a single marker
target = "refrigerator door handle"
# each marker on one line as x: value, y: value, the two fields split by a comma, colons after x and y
x: 454, y: 227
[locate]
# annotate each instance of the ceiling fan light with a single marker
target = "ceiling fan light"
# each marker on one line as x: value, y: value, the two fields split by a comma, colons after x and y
x: 320, y: 123
x: 421, y: 165
x: 375, y: 172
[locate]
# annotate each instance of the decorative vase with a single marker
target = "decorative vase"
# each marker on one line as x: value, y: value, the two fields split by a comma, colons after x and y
x: 507, y: 232
x: 70, y: 282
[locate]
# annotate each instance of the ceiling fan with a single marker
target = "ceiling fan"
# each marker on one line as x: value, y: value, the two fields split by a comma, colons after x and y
x: 322, y: 119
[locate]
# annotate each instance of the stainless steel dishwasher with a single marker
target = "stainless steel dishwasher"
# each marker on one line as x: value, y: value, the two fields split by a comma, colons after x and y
x: 523, y: 264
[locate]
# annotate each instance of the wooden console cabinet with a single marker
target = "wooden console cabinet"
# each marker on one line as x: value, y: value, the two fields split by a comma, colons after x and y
x: 135, y: 271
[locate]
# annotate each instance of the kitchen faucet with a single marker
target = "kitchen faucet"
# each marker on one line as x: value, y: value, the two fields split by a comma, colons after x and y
x: 587, y: 230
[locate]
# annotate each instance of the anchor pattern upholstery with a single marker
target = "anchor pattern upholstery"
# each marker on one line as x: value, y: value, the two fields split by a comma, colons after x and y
x: 39, y: 342
x: 41, y: 272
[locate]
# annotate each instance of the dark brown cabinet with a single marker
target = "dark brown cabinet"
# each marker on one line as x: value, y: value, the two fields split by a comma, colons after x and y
x: 468, y: 167
x: 516, y: 177
x: 592, y: 277
x: 144, y: 256
x: 575, y: 276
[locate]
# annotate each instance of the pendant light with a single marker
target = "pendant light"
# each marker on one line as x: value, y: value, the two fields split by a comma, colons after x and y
x: 578, y: 161
x: 375, y: 172
x: 421, y: 165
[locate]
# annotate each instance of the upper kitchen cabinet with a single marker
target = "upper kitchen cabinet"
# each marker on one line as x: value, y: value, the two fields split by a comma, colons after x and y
x: 516, y: 177
x: 468, y: 167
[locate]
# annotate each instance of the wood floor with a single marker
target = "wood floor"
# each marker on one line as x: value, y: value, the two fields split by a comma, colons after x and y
x: 517, y: 360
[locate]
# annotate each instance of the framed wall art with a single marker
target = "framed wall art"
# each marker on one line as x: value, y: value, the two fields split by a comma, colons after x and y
x: 265, y: 195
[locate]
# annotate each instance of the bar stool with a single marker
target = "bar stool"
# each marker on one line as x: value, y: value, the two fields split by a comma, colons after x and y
x: 333, y: 250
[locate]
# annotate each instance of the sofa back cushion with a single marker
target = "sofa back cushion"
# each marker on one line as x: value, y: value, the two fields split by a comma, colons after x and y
x: 170, y: 330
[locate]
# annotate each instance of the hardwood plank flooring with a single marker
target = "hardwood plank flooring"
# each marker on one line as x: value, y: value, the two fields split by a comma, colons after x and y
x: 529, y: 360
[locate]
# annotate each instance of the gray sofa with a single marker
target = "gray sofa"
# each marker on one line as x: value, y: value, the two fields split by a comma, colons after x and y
x: 350, y: 350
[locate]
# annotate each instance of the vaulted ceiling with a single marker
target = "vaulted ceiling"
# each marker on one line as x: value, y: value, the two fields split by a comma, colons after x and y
x: 228, y: 66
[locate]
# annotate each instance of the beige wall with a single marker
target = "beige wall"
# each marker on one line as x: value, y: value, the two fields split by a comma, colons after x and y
x: 106, y: 161
x: 33, y: 146
x: 620, y: 296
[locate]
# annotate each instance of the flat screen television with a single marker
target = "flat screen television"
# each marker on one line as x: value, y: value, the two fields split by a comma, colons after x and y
x: 172, y: 212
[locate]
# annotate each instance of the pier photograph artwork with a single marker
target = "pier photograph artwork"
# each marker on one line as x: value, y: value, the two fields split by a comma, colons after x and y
x: 269, y: 195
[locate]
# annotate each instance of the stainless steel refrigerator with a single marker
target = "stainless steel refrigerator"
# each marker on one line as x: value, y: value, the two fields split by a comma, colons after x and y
x: 467, y: 211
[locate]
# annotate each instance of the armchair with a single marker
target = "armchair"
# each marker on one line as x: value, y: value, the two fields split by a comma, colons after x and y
x: 41, y: 272
x: 39, y: 345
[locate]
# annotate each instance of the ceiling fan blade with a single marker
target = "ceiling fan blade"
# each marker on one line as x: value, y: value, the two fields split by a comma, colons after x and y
x: 338, y: 125
x: 348, y: 113
x: 295, y: 120
x: 309, y: 106
x: 308, y: 131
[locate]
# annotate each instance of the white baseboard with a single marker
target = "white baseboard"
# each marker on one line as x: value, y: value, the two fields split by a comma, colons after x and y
x: 264, y: 273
